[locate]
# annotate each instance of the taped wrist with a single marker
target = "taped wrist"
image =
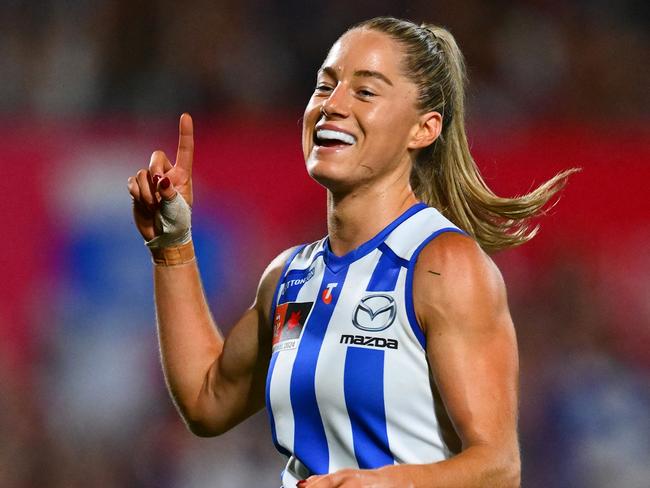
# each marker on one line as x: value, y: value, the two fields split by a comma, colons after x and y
x: 172, y: 256
x: 172, y: 223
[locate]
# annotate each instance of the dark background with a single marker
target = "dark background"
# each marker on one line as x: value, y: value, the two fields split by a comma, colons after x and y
x: 88, y: 89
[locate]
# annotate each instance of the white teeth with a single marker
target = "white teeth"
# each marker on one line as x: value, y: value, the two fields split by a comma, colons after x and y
x: 334, y: 135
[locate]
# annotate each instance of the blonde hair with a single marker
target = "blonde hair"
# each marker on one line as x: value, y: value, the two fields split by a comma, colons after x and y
x: 445, y: 175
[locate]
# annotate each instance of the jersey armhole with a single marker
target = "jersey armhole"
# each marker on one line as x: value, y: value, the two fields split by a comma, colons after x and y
x: 267, y: 396
x: 290, y: 259
x: 410, y: 308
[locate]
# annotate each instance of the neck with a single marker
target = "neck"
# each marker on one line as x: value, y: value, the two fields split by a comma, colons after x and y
x: 356, y: 217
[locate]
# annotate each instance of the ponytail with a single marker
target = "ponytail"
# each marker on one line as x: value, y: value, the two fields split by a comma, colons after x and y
x: 445, y: 175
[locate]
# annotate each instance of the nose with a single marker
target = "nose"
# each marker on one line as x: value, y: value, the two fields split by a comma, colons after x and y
x: 337, y: 104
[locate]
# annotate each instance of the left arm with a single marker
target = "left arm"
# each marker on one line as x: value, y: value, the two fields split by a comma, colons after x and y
x: 461, y: 304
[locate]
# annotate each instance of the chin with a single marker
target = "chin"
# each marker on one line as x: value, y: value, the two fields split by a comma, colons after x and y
x: 328, y: 174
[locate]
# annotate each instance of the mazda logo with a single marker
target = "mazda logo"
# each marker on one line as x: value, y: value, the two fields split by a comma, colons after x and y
x: 374, y: 313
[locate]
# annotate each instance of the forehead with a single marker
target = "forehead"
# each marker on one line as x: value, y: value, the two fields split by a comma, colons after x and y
x: 365, y: 49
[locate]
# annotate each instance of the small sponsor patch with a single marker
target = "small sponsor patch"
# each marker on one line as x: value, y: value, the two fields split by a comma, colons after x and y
x: 326, y: 296
x: 293, y: 282
x: 288, y: 324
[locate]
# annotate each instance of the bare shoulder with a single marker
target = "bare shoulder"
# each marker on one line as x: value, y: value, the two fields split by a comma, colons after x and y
x: 457, y: 255
x: 454, y: 280
x: 269, y: 280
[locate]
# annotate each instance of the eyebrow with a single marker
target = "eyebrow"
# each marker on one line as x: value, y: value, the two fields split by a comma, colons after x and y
x: 363, y: 73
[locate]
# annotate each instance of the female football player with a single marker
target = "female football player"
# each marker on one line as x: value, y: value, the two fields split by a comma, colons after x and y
x: 384, y: 352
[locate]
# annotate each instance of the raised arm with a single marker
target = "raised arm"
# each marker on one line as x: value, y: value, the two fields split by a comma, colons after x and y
x: 215, y: 383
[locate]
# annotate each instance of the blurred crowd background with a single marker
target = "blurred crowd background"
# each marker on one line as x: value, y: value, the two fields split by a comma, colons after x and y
x: 88, y: 89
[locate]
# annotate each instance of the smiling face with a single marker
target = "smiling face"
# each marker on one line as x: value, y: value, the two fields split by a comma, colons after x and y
x: 361, y: 124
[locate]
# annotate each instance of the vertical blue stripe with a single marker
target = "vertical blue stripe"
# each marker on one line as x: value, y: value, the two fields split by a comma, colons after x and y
x: 274, y: 435
x: 386, y: 273
x: 408, y: 289
x: 384, y: 277
x: 310, y: 442
x: 363, y: 385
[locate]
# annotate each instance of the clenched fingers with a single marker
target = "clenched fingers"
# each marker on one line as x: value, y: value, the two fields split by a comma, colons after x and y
x: 146, y: 188
x: 134, y: 189
x: 159, y: 164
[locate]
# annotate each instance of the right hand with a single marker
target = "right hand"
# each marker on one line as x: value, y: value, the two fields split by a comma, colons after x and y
x: 162, y: 180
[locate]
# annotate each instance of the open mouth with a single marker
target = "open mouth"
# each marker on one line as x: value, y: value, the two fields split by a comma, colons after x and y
x: 333, y: 138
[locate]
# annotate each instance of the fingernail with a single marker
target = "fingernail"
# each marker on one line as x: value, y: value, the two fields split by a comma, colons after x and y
x: 164, y: 183
x: 156, y: 178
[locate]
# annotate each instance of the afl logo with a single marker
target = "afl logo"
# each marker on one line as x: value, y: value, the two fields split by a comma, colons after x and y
x: 374, y: 313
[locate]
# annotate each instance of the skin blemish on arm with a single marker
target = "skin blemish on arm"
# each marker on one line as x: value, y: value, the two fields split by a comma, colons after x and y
x: 434, y: 272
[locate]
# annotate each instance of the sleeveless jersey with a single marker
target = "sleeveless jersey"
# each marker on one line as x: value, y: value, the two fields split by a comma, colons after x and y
x: 348, y: 383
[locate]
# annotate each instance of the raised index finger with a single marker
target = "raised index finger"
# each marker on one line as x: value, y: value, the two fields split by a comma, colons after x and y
x: 185, y: 152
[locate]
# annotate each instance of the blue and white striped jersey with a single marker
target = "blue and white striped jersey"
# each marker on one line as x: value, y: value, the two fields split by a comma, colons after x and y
x: 349, y: 383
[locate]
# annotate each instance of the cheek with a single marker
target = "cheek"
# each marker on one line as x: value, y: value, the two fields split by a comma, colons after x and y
x: 309, y: 119
x: 312, y: 112
x: 391, y: 127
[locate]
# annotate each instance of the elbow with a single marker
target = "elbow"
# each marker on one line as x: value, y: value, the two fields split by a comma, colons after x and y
x: 202, y: 425
x: 500, y: 470
x: 203, y: 429
x: 510, y: 472
x: 512, y: 478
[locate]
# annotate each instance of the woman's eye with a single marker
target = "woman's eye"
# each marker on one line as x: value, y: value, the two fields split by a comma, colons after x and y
x: 323, y: 88
x: 366, y: 93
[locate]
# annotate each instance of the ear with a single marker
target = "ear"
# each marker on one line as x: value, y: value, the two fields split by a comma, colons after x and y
x: 427, y: 130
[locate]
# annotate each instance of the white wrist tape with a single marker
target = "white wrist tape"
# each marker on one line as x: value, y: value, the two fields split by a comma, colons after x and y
x: 173, y: 223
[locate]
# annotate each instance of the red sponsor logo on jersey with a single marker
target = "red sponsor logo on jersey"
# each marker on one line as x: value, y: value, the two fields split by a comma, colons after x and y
x: 294, y: 320
x: 289, y: 321
x: 326, y: 296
